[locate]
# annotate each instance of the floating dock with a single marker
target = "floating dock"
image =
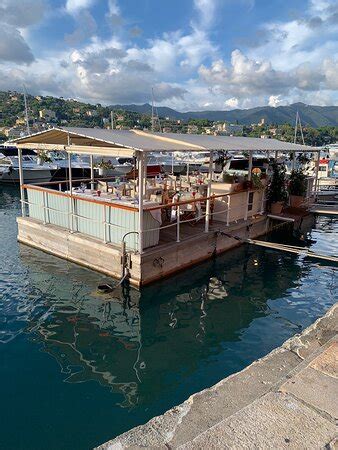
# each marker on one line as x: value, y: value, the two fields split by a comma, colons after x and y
x: 147, y: 228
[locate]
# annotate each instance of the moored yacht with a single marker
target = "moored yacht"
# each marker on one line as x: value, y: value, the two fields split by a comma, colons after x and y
x: 33, y: 171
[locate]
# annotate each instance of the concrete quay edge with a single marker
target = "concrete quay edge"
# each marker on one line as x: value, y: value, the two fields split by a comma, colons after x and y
x: 287, y: 399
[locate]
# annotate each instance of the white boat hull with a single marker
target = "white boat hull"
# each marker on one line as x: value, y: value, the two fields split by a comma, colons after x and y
x: 11, y: 175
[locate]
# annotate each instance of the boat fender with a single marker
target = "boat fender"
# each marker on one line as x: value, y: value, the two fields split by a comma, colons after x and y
x: 104, y: 288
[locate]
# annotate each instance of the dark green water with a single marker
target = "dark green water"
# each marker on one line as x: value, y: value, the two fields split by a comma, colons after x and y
x: 76, y: 369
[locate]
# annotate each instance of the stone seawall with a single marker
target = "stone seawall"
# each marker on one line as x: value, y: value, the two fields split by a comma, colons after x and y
x: 288, y: 399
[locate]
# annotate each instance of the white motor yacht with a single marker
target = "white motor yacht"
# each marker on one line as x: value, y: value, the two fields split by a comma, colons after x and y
x: 32, y: 171
x: 168, y: 162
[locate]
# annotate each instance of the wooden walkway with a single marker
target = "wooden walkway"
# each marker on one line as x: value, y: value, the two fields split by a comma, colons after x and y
x: 327, y: 209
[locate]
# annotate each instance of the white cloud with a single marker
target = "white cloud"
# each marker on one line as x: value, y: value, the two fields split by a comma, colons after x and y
x: 231, y: 103
x: 13, y: 47
x: 275, y: 100
x: 15, y: 18
x: 113, y: 7
x: 291, y: 61
x: 85, y: 28
x: 22, y: 13
x: 74, y: 6
x: 245, y: 76
x: 330, y: 67
x: 206, y: 12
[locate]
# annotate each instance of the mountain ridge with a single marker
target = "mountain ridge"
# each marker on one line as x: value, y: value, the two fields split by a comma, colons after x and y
x: 311, y: 115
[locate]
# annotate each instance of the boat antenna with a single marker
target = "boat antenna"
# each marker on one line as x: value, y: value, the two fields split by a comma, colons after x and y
x: 26, y: 109
x: 158, y: 120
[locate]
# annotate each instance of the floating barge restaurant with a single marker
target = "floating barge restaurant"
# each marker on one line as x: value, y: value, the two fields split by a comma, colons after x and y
x: 146, y: 227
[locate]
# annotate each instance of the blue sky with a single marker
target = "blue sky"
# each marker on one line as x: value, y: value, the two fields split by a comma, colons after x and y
x: 196, y: 54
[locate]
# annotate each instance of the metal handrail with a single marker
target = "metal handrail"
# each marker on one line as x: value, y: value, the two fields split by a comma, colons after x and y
x: 177, y: 224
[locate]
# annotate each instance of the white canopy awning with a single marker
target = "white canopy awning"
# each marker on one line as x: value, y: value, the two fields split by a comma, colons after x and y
x: 97, y: 141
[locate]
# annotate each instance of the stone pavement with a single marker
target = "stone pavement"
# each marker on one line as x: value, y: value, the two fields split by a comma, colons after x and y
x: 286, y: 400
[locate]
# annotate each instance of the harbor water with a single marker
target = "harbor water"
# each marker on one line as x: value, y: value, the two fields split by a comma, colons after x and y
x: 78, y: 368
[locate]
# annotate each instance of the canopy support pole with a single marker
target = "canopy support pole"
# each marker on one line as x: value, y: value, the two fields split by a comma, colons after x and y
x: 92, y: 184
x: 316, y: 176
x: 250, y: 166
x: 70, y: 180
x: 21, y: 178
x: 140, y: 200
x: 293, y: 165
x: 207, y: 212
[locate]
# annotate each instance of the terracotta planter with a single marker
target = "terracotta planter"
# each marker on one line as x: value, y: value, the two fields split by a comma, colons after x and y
x: 105, y: 172
x: 277, y: 207
x: 296, y: 201
x: 237, y: 187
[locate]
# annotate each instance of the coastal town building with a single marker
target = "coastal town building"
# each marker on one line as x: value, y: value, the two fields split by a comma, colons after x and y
x: 47, y: 114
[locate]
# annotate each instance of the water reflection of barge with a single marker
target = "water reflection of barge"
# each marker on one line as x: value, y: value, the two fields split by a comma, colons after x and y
x: 129, y: 342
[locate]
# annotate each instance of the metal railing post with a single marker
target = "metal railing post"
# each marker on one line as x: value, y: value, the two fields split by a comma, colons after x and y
x: 104, y: 225
x: 178, y: 224
x: 207, y: 211
x: 228, y: 209
x: 71, y: 213
x: 44, y: 208
x: 71, y: 205
x: 247, y: 206
x: 262, y: 203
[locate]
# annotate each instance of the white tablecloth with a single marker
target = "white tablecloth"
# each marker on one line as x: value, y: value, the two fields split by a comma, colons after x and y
x: 105, y: 197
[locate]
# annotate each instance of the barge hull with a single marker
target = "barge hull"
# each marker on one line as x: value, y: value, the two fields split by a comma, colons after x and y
x: 154, y: 264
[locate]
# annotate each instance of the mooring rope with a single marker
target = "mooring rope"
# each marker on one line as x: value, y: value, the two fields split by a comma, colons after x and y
x: 283, y: 247
x: 293, y: 249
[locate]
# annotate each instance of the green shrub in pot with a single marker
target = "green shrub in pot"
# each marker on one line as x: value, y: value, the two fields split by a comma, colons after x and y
x: 276, y: 192
x: 297, y: 188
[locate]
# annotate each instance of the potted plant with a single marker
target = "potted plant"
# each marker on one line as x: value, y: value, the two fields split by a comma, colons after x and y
x: 105, y: 168
x: 277, y: 193
x: 43, y: 157
x: 256, y: 181
x: 297, y: 188
x: 232, y: 180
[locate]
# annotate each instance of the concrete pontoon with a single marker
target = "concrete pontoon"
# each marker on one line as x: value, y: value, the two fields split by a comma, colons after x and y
x: 146, y: 228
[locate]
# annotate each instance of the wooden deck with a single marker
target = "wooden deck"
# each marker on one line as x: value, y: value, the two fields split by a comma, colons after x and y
x: 189, y: 231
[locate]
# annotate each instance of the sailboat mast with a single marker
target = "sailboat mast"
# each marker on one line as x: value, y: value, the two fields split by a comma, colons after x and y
x: 26, y: 110
x: 296, y: 126
x: 152, y: 110
x: 112, y: 119
x: 301, y: 129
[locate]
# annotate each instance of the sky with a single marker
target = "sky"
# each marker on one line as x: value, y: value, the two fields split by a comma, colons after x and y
x: 195, y: 54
